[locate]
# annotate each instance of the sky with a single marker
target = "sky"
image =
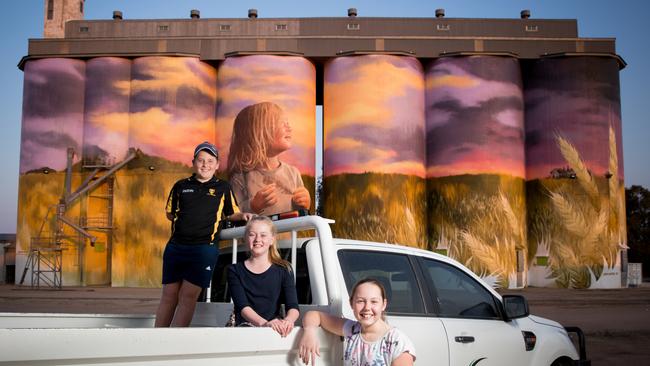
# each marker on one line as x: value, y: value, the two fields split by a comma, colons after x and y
x: 623, y: 20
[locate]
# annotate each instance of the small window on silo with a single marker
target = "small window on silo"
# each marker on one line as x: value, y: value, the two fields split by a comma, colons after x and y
x: 353, y: 26
x: 50, y: 9
x: 531, y: 28
x: 163, y: 28
x: 224, y: 27
x: 280, y: 27
x: 443, y: 27
x: 81, y: 7
x: 83, y: 29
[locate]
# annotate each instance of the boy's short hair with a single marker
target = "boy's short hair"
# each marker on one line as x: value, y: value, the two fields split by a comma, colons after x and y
x: 207, y: 147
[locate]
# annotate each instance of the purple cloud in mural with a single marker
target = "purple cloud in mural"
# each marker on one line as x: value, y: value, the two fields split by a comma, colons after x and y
x: 577, y: 98
x: 53, y: 105
x: 474, y: 116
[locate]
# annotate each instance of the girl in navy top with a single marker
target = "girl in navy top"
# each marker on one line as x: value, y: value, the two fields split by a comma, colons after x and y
x: 264, y: 281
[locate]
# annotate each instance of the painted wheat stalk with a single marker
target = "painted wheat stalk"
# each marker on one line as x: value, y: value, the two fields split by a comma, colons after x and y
x: 616, y: 227
x: 573, y: 219
x: 592, y: 225
x: 515, y: 224
x: 497, y: 260
x: 583, y: 175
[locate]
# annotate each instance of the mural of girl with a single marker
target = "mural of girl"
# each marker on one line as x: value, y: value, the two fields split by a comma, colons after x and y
x: 262, y: 182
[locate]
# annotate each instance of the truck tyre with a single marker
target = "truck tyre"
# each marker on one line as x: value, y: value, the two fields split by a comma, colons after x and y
x: 564, y: 361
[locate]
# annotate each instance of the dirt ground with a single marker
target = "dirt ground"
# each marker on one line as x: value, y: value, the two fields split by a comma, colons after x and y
x: 616, y: 322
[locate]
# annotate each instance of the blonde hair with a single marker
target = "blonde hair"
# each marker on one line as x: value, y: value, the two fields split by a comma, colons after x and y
x: 274, y: 254
x: 252, y: 134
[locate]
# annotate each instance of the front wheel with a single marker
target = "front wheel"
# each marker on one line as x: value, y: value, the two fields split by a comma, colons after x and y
x: 564, y: 361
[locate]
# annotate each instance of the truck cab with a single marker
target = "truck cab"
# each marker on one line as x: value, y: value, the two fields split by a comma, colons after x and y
x: 452, y: 316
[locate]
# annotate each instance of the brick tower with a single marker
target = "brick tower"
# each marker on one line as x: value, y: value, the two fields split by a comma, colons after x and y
x: 57, y: 13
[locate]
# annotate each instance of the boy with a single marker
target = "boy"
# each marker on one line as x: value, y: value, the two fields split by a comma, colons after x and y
x: 195, y: 206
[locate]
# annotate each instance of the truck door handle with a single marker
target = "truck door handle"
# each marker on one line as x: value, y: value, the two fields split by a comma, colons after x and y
x: 464, y: 339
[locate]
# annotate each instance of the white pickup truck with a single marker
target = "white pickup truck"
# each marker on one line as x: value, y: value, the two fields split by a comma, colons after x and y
x: 451, y: 315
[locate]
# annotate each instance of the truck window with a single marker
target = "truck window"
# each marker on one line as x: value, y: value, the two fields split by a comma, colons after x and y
x: 457, y: 294
x: 393, y: 270
x: 220, y: 292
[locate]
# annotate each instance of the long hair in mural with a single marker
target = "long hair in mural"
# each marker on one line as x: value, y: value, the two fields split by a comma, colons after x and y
x: 266, y: 129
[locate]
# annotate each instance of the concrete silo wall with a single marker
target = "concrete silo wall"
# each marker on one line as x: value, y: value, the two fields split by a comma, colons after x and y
x: 53, y: 110
x: 475, y: 164
x: 373, y: 142
x: 575, y: 189
x: 266, y: 118
x: 508, y: 176
x: 160, y: 106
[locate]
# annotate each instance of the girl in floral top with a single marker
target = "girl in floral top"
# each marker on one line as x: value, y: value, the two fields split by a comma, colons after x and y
x: 369, y: 341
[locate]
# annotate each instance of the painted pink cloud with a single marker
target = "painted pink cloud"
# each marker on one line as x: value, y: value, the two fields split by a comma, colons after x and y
x: 374, y: 115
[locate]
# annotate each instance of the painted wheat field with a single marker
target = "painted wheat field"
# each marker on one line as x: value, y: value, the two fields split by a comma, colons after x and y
x: 38, y: 194
x: 479, y: 220
x: 388, y: 208
x: 141, y: 229
x: 580, y: 221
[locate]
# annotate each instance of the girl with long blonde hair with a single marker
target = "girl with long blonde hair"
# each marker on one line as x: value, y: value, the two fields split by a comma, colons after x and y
x: 264, y: 281
x: 262, y: 183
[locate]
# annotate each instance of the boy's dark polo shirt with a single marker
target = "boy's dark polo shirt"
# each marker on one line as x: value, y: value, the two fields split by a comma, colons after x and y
x: 198, y: 208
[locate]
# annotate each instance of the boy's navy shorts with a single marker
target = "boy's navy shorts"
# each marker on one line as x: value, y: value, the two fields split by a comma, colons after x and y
x: 193, y: 263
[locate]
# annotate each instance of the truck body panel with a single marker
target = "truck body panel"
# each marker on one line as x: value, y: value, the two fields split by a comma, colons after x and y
x: 450, y: 314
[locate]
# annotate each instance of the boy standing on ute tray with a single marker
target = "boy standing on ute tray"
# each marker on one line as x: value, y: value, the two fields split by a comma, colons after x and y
x: 195, y: 206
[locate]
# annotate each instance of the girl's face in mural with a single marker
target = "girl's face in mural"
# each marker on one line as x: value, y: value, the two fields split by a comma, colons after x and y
x: 282, y: 136
x: 205, y: 165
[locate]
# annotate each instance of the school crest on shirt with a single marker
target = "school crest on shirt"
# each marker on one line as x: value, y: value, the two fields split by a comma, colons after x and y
x: 212, y: 192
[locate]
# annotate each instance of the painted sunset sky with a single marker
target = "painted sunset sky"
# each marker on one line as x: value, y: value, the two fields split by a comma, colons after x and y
x: 474, y: 117
x: 163, y: 106
x: 106, y: 113
x: 289, y: 82
x: 53, y: 99
x: 172, y: 106
x: 578, y: 99
x: 373, y: 115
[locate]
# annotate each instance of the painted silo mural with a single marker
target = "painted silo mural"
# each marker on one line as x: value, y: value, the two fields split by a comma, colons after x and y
x: 373, y: 142
x: 171, y: 109
x: 53, y: 105
x: 475, y: 164
x: 105, y: 142
x: 574, y: 172
x: 104, y: 109
x: 266, y: 117
x: 520, y: 180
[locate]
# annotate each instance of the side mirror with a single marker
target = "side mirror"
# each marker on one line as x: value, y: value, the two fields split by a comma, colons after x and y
x: 515, y: 306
